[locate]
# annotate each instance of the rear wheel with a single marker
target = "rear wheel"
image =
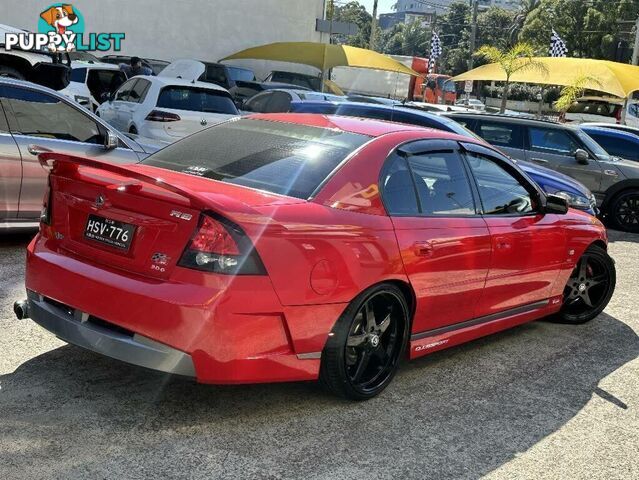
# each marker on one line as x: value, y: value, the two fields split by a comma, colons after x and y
x: 589, y: 287
x: 624, y: 211
x: 362, y: 355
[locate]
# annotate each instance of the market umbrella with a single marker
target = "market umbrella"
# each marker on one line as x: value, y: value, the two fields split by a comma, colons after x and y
x: 619, y: 79
x: 323, y: 56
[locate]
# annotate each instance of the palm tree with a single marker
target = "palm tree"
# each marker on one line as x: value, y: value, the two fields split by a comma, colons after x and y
x: 572, y: 92
x: 525, y: 7
x: 518, y: 58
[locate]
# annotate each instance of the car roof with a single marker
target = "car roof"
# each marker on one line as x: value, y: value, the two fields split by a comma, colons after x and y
x: 171, y: 81
x: 362, y: 126
x: 505, y: 116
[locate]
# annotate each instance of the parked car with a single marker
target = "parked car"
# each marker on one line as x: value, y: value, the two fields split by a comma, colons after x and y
x: 34, y: 119
x: 219, y: 74
x: 577, y: 195
x: 256, y: 259
x: 243, y: 90
x: 92, y: 83
x: 37, y: 66
x: 471, y: 103
x: 280, y: 100
x: 603, y: 109
x: 569, y: 150
x: 375, y: 100
x: 612, y: 126
x: 615, y: 142
x: 154, y: 64
x: 304, y: 80
x: 165, y: 108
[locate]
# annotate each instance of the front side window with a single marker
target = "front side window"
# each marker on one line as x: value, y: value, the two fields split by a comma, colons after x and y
x: 196, y: 99
x: 500, y: 192
x: 279, y: 102
x: 39, y: 114
x: 282, y: 158
x: 138, y: 93
x: 125, y: 90
x: 618, y: 147
x: 552, y: 140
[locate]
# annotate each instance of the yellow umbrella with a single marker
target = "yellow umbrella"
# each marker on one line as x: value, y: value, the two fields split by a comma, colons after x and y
x: 323, y: 56
x: 619, y: 79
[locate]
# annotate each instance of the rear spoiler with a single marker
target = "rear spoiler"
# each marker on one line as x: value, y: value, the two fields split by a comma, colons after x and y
x: 68, y: 165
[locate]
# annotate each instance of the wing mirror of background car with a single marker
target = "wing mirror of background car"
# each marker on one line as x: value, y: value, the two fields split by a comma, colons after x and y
x: 556, y: 205
x: 111, y: 140
x: 581, y: 156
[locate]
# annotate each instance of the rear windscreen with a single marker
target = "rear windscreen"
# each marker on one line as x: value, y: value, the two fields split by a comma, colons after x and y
x: 594, y: 108
x: 282, y: 158
x: 196, y: 100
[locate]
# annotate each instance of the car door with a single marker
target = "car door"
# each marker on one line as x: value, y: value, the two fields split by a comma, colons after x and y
x: 111, y: 110
x: 129, y: 107
x: 10, y: 170
x: 555, y: 148
x: 41, y: 121
x: 444, y: 242
x: 506, y: 136
x: 528, y: 247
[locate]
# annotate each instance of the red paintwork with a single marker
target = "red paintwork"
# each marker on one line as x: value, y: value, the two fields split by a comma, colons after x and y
x: 319, y: 255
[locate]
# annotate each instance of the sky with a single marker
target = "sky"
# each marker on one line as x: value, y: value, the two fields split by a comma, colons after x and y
x: 383, y: 6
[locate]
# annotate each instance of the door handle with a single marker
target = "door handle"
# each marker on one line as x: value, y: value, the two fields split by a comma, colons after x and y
x: 37, y: 149
x: 540, y: 160
x: 423, y: 249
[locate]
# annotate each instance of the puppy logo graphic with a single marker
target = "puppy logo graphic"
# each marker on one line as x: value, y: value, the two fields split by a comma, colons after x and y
x: 60, y: 18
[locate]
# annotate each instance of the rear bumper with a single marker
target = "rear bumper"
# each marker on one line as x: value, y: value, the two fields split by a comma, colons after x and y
x: 78, y: 328
x: 220, y: 329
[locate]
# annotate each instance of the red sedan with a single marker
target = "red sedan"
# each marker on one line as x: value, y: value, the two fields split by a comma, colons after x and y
x: 297, y: 247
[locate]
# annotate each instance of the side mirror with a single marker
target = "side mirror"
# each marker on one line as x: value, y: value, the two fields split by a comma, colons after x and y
x: 111, y: 140
x: 581, y: 156
x: 555, y: 204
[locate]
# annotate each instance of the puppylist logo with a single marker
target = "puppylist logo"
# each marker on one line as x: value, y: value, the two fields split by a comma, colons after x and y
x: 61, y: 29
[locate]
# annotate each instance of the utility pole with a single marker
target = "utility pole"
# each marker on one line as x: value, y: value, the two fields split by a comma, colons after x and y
x: 635, y: 50
x: 371, y: 44
x: 473, y: 33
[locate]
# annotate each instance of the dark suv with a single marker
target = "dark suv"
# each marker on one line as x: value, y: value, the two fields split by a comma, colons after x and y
x: 567, y: 149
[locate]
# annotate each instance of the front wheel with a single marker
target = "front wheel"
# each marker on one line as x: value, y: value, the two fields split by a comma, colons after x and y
x: 589, y: 288
x: 624, y: 211
x: 363, y: 351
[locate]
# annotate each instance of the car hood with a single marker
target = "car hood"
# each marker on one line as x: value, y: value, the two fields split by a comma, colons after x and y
x: 554, y: 176
x: 185, y: 69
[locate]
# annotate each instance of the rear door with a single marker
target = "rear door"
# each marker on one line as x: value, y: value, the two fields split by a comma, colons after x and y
x: 507, y: 137
x: 555, y: 148
x: 38, y: 119
x: 528, y: 247
x: 10, y: 169
x: 444, y: 243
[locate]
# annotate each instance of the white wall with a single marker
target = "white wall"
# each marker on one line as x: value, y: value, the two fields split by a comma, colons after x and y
x: 202, y: 29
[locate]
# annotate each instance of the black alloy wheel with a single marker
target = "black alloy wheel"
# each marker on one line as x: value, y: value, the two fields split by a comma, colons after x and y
x: 624, y: 211
x: 589, y: 287
x: 362, y: 354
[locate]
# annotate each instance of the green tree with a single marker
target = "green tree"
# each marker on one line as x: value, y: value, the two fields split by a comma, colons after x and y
x: 572, y: 92
x: 516, y: 59
x: 352, y: 12
x: 407, y: 39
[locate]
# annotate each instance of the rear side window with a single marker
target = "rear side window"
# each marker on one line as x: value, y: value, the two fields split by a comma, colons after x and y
x: 279, y: 102
x: 500, y: 134
x: 281, y: 158
x: 618, y: 147
x: 196, y: 100
x: 78, y: 75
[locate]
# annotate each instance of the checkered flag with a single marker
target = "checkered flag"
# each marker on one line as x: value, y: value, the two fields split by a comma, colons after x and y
x: 435, y: 52
x: 557, y: 45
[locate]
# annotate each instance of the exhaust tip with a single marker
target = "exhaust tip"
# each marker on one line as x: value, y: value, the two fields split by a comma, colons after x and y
x: 21, y: 309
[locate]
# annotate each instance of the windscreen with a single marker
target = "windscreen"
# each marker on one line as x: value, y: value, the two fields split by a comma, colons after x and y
x: 196, y: 100
x: 282, y: 158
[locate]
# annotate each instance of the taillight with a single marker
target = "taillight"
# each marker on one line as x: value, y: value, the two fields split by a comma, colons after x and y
x: 221, y: 246
x: 158, y: 116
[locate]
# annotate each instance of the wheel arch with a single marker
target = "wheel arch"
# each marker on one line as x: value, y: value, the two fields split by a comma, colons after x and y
x: 616, y: 189
x: 600, y: 244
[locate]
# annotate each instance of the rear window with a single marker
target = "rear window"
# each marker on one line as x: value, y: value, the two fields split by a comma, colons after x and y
x: 594, y: 108
x: 280, y: 158
x: 196, y: 100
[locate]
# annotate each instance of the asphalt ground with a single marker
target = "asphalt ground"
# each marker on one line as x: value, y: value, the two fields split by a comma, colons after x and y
x: 539, y: 401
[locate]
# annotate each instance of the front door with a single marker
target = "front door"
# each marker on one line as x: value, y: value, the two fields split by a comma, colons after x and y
x: 529, y: 248
x: 444, y: 243
x: 38, y: 119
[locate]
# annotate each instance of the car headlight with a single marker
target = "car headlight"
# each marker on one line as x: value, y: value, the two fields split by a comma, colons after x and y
x: 575, y: 200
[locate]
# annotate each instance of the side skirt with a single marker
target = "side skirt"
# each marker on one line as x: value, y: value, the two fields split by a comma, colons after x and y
x: 431, y: 341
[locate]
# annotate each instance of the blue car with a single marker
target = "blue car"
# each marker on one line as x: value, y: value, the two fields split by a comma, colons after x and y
x: 551, y: 181
x: 616, y: 142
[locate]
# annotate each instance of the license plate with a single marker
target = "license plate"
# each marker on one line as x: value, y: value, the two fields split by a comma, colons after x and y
x: 110, y: 232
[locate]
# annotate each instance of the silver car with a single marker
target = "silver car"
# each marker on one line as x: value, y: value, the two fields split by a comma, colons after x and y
x: 34, y: 119
x: 569, y: 150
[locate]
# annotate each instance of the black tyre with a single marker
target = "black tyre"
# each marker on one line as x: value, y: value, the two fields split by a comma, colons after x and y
x: 362, y: 355
x: 589, y: 288
x: 11, y: 73
x: 623, y: 213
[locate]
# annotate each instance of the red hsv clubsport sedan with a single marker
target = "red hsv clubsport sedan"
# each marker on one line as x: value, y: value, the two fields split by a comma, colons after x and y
x: 296, y: 247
